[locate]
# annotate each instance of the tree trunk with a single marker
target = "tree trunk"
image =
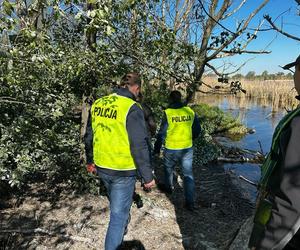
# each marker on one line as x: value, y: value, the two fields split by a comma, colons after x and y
x: 85, y: 108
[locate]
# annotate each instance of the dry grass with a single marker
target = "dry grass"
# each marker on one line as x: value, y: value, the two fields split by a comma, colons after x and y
x: 270, y: 93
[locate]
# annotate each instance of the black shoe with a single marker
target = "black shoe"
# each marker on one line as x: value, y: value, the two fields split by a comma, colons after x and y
x: 132, y: 245
x: 137, y: 200
x: 162, y: 187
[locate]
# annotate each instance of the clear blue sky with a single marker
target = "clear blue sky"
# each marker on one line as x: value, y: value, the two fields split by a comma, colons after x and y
x: 283, y: 49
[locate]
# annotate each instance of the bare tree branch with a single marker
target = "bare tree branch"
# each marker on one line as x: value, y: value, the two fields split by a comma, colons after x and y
x: 239, y: 31
x: 222, y: 10
x: 240, y: 67
x: 269, y: 20
x: 213, y: 18
x: 185, y: 18
x: 207, y: 31
x: 253, y: 35
x: 261, y: 30
x: 181, y: 17
x: 214, y: 69
x: 11, y: 101
x: 207, y: 85
x: 227, y: 73
x: 141, y: 61
x: 177, y: 15
x: 235, y: 10
x: 226, y: 53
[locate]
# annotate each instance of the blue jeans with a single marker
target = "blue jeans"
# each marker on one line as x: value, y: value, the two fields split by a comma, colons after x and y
x: 185, y: 158
x: 120, y: 191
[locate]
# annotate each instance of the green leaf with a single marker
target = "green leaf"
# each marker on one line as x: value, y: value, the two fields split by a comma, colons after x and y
x: 8, y: 8
x: 109, y: 30
x: 93, y: 13
x: 33, y: 34
x: 10, y: 65
x: 47, y: 62
x: 78, y: 16
x: 101, y: 13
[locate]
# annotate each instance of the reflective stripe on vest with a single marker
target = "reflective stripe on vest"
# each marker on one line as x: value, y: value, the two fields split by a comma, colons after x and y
x: 111, y: 147
x: 272, y: 160
x: 179, y: 132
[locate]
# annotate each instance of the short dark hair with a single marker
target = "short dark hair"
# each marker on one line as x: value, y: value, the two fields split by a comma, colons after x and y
x: 175, y: 96
x: 131, y: 79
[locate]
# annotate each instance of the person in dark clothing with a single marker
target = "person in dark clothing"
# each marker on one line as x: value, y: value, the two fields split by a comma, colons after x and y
x: 277, y: 217
x: 179, y: 127
x: 151, y: 128
x: 149, y: 117
x: 116, y: 148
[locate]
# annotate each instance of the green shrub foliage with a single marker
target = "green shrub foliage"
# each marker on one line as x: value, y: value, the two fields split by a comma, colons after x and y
x: 47, y: 68
x: 42, y: 82
x: 213, y: 121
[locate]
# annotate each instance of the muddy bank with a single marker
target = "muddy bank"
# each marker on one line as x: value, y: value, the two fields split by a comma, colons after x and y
x: 56, y: 218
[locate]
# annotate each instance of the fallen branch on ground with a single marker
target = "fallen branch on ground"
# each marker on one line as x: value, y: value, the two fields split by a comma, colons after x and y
x: 248, y: 181
x: 47, y: 232
x: 240, y: 159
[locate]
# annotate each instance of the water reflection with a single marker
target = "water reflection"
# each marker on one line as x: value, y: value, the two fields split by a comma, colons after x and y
x: 253, y: 115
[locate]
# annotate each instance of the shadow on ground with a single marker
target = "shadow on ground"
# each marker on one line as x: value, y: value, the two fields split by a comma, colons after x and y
x: 56, y: 218
x: 220, y: 208
x: 49, y: 218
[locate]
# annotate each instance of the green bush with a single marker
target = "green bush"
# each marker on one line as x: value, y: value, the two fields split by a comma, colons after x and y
x: 41, y: 86
x: 205, y: 150
x: 214, y: 120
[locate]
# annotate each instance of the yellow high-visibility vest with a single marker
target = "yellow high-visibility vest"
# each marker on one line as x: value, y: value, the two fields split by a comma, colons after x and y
x: 111, y: 149
x: 179, y: 132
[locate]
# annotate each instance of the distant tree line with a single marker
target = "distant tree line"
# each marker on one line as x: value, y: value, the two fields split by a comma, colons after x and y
x: 265, y: 75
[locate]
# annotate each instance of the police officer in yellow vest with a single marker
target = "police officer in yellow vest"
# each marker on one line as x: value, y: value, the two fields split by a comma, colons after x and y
x: 277, y: 217
x: 116, y: 148
x: 178, y: 128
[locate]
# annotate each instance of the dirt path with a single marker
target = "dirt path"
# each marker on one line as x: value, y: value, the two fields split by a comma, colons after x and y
x: 58, y: 219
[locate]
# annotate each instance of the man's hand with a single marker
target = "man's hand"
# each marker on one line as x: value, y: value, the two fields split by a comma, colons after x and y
x: 150, y: 184
x: 91, y: 168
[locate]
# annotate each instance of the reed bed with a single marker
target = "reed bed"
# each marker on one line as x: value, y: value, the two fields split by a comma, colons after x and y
x: 277, y: 94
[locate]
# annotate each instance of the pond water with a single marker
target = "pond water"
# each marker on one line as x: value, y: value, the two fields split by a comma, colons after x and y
x: 255, y: 116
